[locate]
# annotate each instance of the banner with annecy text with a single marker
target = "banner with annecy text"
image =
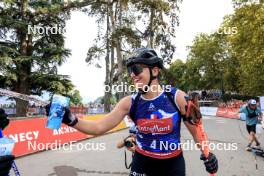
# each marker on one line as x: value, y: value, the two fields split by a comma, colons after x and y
x: 31, y: 135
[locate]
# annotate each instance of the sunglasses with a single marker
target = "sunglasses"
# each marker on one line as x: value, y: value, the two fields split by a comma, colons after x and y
x: 136, y: 69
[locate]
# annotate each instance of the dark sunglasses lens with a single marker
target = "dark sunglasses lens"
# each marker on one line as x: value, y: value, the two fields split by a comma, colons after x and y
x: 136, y: 69
x: 129, y: 70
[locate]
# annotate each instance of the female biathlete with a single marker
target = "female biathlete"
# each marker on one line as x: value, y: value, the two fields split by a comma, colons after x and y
x: 157, y: 114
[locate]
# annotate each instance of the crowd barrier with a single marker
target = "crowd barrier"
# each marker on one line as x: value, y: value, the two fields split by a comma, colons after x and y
x: 31, y: 135
x: 208, y: 111
x: 227, y: 112
x: 79, y: 110
x: 95, y: 110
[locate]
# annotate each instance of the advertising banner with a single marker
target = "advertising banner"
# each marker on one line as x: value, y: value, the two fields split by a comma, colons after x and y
x: 31, y: 135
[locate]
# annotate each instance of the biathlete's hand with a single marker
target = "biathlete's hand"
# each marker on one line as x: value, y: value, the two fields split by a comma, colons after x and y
x: 130, y: 143
x: 3, y: 119
x: 211, y: 163
x: 68, y: 118
x: 6, y: 164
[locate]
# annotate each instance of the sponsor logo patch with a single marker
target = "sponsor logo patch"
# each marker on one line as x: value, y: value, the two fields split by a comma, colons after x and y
x: 155, y: 126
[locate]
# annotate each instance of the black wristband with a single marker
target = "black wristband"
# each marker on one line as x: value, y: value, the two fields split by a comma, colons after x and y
x: 184, y: 118
x: 74, y: 122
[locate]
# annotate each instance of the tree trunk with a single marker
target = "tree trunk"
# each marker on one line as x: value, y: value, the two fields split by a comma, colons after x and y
x: 108, y: 94
x: 23, y: 67
x: 119, y: 54
x: 117, y: 42
x: 151, y: 30
x: 22, y: 87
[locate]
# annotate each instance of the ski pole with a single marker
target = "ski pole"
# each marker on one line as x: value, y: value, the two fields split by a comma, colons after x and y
x: 200, y: 131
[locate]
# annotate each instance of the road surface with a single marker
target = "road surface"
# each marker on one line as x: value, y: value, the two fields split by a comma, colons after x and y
x: 102, y: 158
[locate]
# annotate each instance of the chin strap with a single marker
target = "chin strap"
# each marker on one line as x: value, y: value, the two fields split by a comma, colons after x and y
x: 145, y: 90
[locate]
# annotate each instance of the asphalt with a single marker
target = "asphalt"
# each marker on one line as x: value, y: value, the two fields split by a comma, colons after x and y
x: 102, y: 158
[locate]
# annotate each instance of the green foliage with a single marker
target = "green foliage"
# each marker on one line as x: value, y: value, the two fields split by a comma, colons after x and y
x: 204, y: 68
x: 240, y: 3
x: 133, y: 12
x: 29, y: 56
x: 230, y: 59
x: 208, y: 55
x: 113, y: 100
x: 247, y: 46
x: 33, y: 56
x: 75, y: 97
x: 126, y: 25
x: 175, y: 75
x: 161, y: 19
x: 229, y: 97
x: 128, y: 34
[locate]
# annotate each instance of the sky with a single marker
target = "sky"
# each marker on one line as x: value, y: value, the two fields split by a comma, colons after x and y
x: 195, y: 17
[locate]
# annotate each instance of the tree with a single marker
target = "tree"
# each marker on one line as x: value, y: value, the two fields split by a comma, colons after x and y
x: 112, y: 43
x: 231, y: 58
x: 29, y: 59
x: 116, y: 32
x: 174, y: 75
x: 120, y: 20
x: 160, y: 19
x: 209, y: 56
x: 75, y: 97
x: 205, y: 67
x: 247, y: 46
x: 240, y: 3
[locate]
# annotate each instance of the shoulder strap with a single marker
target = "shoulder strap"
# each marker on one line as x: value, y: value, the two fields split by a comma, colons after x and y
x: 169, y: 95
x: 253, y: 111
x: 134, y: 107
x: 247, y: 109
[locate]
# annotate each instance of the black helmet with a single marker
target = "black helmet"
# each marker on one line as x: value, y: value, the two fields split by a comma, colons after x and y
x: 145, y: 56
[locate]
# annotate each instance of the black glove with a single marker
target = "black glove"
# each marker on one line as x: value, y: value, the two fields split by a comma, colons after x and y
x: 6, y: 164
x: 211, y: 163
x: 68, y: 118
x: 3, y: 119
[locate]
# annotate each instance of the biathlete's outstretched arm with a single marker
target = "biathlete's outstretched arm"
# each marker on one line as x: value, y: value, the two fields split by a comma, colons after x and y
x: 198, y: 134
x: 98, y: 127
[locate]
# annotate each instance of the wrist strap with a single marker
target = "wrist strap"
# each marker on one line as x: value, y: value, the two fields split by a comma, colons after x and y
x: 75, y: 121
